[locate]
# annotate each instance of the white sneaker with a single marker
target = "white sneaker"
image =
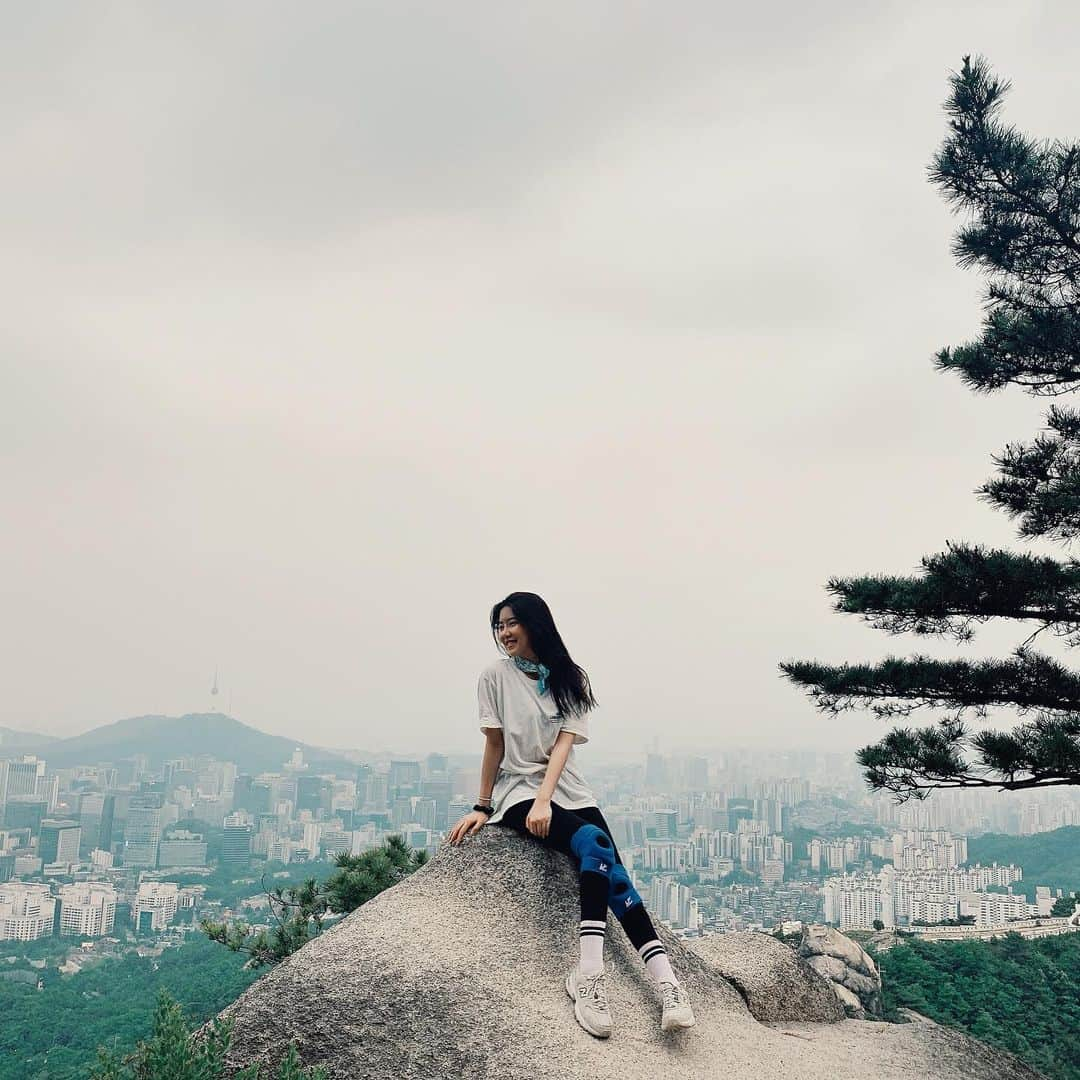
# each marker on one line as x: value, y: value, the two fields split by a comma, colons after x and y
x: 590, y: 1001
x: 677, y: 1011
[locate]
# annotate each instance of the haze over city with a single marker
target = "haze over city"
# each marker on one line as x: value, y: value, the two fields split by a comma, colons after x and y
x: 324, y: 330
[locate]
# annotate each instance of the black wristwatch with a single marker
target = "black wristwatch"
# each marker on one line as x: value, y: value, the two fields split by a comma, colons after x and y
x: 489, y: 810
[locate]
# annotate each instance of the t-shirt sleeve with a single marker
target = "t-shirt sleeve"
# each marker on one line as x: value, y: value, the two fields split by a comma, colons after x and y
x: 487, y: 694
x: 579, y: 725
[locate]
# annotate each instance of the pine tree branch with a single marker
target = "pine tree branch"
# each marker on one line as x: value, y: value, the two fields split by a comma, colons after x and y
x: 910, y: 763
x: 1039, y: 483
x: 898, y: 687
x: 964, y: 586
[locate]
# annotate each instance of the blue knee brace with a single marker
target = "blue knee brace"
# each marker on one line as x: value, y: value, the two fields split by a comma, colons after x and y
x: 622, y: 896
x: 593, y: 849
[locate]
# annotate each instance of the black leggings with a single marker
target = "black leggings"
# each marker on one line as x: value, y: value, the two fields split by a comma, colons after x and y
x: 594, y: 886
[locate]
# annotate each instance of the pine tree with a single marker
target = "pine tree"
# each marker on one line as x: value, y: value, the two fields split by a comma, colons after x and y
x: 1022, y: 201
x: 171, y: 1053
x: 297, y: 914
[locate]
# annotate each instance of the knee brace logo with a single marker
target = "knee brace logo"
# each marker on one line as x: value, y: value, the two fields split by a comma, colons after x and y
x: 622, y: 896
x: 603, y: 867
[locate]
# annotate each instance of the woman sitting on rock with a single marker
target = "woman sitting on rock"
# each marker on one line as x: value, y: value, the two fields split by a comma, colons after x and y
x: 533, y: 706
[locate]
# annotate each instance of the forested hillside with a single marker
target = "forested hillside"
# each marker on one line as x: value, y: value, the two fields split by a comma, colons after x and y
x: 1048, y: 858
x: 53, y: 1033
x: 1021, y: 995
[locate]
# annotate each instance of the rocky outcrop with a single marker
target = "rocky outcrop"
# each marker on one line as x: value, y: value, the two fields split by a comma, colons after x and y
x: 458, y: 973
x: 773, y: 981
x: 847, y: 966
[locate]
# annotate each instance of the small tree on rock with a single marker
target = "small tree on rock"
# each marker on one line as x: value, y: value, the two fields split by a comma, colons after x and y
x: 298, y: 913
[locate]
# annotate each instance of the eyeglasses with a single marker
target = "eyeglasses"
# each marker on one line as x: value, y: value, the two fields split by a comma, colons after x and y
x: 501, y: 626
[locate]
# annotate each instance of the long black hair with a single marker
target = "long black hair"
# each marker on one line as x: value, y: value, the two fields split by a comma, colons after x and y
x: 568, y: 683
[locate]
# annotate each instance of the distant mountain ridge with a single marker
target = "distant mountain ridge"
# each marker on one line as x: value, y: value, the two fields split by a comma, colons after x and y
x: 162, y: 738
x: 12, y: 739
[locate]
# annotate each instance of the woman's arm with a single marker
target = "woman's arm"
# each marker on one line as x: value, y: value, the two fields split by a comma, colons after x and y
x: 474, y: 821
x: 538, y: 819
x: 489, y: 767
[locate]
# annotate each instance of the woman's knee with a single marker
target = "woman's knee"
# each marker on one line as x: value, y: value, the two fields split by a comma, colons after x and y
x: 593, y: 849
x: 622, y: 896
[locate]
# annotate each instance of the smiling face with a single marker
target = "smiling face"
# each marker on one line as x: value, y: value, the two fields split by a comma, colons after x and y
x: 512, y: 635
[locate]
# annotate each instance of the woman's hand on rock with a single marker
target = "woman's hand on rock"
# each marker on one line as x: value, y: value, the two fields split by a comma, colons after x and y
x: 538, y: 819
x: 471, y: 823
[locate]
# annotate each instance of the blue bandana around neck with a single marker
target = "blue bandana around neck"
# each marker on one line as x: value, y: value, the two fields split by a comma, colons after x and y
x: 532, y: 667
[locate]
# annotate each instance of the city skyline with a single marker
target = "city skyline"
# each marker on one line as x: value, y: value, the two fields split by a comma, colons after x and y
x: 717, y: 841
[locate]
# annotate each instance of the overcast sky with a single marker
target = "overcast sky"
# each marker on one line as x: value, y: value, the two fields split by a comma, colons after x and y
x: 325, y: 326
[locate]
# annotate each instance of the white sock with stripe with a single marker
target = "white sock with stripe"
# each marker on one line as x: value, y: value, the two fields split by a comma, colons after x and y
x: 656, y: 962
x: 591, y: 941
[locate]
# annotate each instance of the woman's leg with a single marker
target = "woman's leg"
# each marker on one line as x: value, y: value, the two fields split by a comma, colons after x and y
x: 595, y: 856
x: 628, y: 907
x: 585, y: 836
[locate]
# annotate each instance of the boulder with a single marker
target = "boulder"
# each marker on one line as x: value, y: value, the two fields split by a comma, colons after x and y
x: 457, y: 974
x: 773, y: 981
x: 848, y: 999
x: 847, y: 965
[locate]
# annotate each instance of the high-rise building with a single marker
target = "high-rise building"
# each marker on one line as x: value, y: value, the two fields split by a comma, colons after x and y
x: 363, y: 778
x: 378, y: 792
x: 59, y: 842
x: 236, y: 839
x: 96, y: 813
x: 656, y: 772
x: 418, y: 839
x: 402, y: 811
x: 155, y: 905
x: 131, y: 770
x: 142, y: 830
x: 241, y: 799
x: 87, y: 909
x: 313, y: 793
x: 404, y: 778
x: 21, y: 777
x: 440, y: 791
x: 769, y: 811
x: 252, y: 795
x: 182, y: 848
x: 696, y: 773
x: 664, y: 824
x: 336, y: 842
x: 436, y: 764
x: 27, y: 911
x: 424, y: 811
x: 772, y: 871
x: 25, y: 812
x: 673, y: 903
x: 739, y: 810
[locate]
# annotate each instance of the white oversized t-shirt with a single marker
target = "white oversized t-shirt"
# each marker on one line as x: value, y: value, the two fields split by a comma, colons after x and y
x: 530, y: 723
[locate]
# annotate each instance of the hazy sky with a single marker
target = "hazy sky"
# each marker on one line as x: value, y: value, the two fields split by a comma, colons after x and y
x: 327, y: 325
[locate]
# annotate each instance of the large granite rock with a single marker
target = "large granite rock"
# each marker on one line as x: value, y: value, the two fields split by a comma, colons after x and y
x: 773, y: 981
x: 847, y: 966
x: 457, y: 974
